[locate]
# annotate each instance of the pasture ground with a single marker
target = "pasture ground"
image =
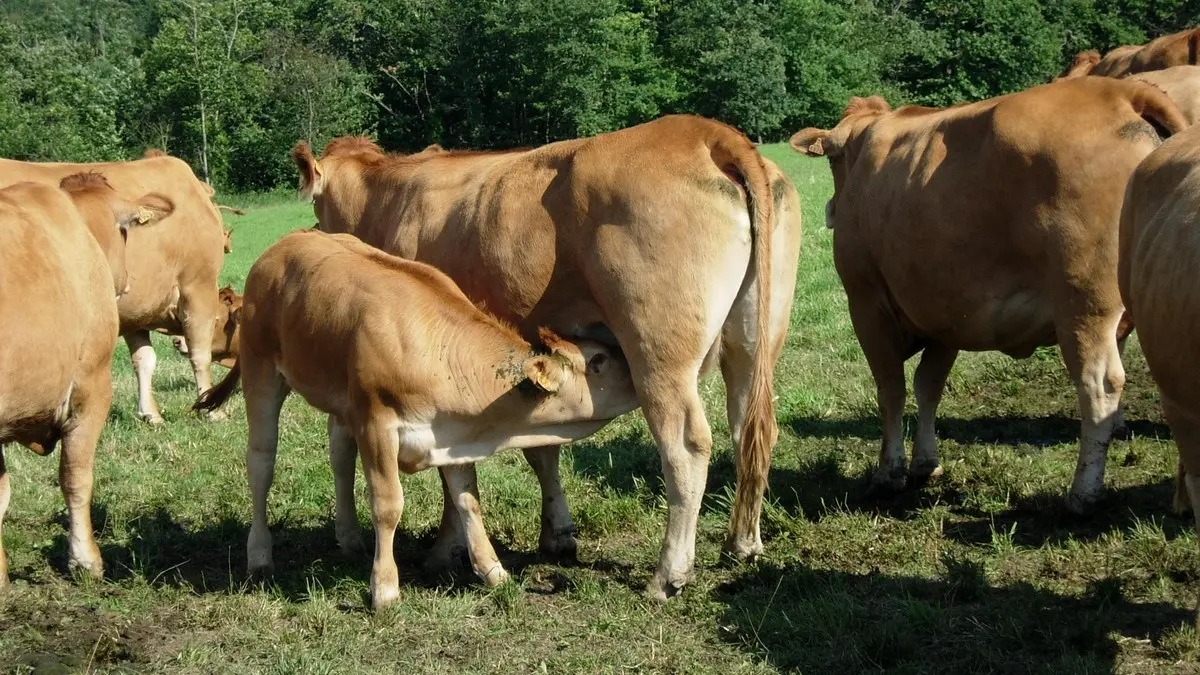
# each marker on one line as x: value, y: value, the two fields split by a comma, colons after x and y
x: 984, y: 571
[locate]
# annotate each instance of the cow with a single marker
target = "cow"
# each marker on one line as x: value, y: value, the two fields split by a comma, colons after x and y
x: 173, y: 267
x: 1181, y: 83
x: 674, y: 240
x: 225, y: 334
x: 988, y: 226
x: 62, y: 266
x: 1159, y: 253
x: 419, y: 375
x: 1176, y: 49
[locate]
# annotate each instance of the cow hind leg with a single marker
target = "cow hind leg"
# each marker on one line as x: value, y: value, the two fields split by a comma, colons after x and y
x: 557, y: 537
x: 75, y: 472
x: 343, y: 451
x: 464, y: 490
x: 1094, y: 363
x: 141, y: 353
x: 928, y: 384
x: 5, y: 495
x: 265, y: 391
x: 1185, y: 428
x: 378, y: 448
x: 882, y: 343
x: 451, y: 542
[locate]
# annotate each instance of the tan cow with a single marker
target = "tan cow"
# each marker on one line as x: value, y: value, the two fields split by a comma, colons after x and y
x: 1176, y: 49
x: 62, y: 265
x: 173, y: 268
x: 419, y: 375
x: 988, y: 226
x: 1181, y: 83
x: 674, y: 239
x: 1160, y: 252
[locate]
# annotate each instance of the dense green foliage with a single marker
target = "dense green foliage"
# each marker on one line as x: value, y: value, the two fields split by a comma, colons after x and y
x: 230, y: 85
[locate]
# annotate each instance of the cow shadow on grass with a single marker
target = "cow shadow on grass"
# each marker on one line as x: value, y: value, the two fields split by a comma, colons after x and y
x: 825, y: 621
x: 211, y: 558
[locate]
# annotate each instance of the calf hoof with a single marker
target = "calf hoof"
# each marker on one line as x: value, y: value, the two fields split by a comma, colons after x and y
x: 560, y: 545
x: 151, y: 418
x: 662, y: 589
x: 352, y: 544
x: 495, y: 576
x: 84, y: 568
x: 259, y: 572
x: 921, y: 474
x: 4, y: 583
x: 742, y: 548
x: 887, y: 482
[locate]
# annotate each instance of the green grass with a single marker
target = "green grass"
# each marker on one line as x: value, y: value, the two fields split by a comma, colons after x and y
x: 984, y: 571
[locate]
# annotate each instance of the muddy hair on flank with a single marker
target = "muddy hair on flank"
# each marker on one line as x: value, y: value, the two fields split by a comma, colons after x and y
x: 83, y: 181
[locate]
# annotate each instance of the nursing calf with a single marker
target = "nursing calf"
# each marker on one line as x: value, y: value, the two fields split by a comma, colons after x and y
x: 989, y: 226
x: 62, y: 266
x: 418, y: 375
x: 1160, y: 252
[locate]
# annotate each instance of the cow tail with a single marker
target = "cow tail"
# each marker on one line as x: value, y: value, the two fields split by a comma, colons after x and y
x: 759, y: 430
x: 217, y: 396
x: 1154, y: 106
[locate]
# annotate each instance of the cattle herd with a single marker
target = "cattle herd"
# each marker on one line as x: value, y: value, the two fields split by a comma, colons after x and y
x: 453, y: 303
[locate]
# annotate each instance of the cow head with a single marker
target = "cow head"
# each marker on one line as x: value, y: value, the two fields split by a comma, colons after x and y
x: 587, y: 380
x: 839, y: 144
x: 108, y: 217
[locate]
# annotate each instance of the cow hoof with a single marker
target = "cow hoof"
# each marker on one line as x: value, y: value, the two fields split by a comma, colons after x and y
x: 214, y: 415
x: 1083, y: 505
x: 443, y: 559
x: 260, y: 572
x: 887, y: 484
x: 352, y: 544
x: 560, y: 545
x: 495, y: 576
x: 4, y: 583
x: 86, y: 569
x: 921, y: 474
x: 384, y: 597
x: 742, y: 549
x: 662, y: 590
x: 151, y: 418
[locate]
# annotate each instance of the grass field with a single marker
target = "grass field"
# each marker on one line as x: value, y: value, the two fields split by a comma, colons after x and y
x: 984, y: 571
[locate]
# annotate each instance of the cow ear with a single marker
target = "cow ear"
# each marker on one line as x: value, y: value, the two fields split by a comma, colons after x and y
x: 545, y: 372
x: 810, y: 141
x: 312, y: 177
x: 148, y: 210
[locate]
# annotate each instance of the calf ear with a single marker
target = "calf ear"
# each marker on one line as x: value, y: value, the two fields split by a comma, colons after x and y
x: 545, y: 372
x: 810, y: 141
x: 145, y: 211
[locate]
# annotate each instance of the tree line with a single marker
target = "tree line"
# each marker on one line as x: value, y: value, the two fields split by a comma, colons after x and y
x: 230, y: 85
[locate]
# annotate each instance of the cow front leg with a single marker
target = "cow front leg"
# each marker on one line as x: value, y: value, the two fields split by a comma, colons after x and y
x: 1093, y: 360
x: 928, y: 384
x: 141, y: 353
x: 464, y: 492
x: 557, y: 538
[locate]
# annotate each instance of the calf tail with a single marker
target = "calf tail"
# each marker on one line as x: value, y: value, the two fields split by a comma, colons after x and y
x: 214, y: 398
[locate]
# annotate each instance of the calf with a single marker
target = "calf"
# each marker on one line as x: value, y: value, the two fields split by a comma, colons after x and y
x: 418, y: 375
x: 62, y: 266
x: 1159, y: 255
x: 225, y: 330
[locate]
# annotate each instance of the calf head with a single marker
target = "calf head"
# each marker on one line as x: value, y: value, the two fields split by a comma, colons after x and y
x: 226, y: 329
x: 586, y: 380
x: 109, y: 215
x: 840, y: 144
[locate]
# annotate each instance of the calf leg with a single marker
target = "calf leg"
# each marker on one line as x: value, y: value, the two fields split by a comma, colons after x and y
x: 378, y: 447
x: 89, y: 411
x: 265, y: 391
x: 141, y: 352
x: 1089, y: 349
x: 464, y: 490
x: 5, y: 495
x: 343, y: 451
x: 928, y: 385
